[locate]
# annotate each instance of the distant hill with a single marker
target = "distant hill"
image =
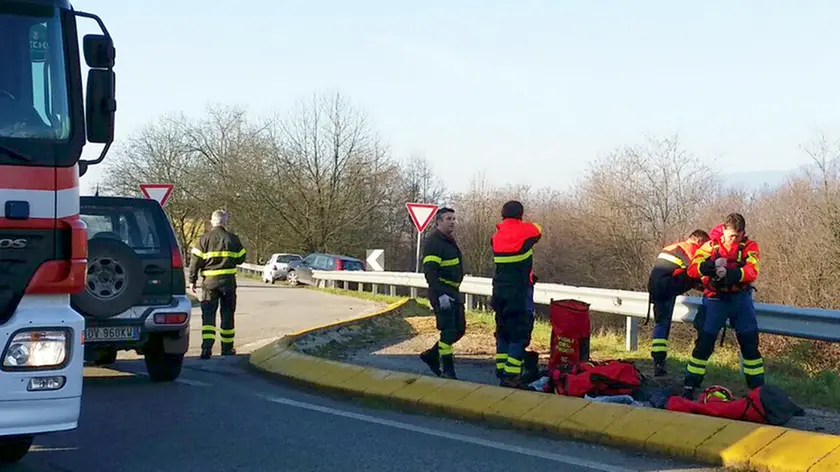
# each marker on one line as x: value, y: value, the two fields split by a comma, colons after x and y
x: 759, y: 180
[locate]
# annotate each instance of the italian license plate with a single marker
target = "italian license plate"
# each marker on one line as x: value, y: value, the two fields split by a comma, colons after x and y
x: 113, y: 333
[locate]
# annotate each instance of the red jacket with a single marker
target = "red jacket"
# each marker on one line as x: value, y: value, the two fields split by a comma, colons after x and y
x: 513, y: 252
x: 742, y: 266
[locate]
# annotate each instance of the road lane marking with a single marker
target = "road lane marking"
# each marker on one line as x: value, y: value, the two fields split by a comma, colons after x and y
x: 569, y: 460
x: 194, y: 383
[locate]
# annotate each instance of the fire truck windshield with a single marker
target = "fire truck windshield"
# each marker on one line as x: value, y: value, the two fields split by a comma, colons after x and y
x: 33, y: 82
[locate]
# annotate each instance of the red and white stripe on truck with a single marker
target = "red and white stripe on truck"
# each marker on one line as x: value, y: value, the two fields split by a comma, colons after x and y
x: 53, y: 197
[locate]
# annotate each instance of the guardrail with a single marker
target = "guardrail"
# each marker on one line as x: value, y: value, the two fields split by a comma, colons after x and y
x: 805, y: 323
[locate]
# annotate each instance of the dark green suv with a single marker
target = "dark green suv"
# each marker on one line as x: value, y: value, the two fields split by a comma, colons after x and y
x: 135, y: 297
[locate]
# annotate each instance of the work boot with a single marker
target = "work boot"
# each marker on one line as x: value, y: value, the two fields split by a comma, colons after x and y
x: 688, y: 392
x: 206, y: 352
x: 659, y: 369
x: 432, y: 359
x: 512, y: 381
x: 229, y: 352
x: 448, y: 367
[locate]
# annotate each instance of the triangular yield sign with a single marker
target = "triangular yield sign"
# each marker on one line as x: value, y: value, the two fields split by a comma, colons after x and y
x: 421, y: 214
x: 159, y: 192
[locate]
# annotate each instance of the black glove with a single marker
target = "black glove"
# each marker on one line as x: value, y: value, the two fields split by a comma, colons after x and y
x: 733, y: 276
x: 707, y: 267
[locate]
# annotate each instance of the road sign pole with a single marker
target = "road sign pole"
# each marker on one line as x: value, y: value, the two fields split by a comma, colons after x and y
x: 417, y: 258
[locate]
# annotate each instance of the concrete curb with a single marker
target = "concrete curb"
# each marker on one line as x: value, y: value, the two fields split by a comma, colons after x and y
x: 716, y: 441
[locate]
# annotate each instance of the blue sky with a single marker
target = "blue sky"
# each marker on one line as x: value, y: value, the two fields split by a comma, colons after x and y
x: 525, y: 91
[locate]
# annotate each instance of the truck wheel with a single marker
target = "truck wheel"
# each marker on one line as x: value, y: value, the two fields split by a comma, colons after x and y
x: 13, y: 448
x: 160, y: 366
x: 115, y: 279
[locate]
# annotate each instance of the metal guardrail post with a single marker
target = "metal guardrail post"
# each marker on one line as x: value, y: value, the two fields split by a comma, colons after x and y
x: 631, y: 342
x: 346, y: 285
x: 413, y: 292
x: 393, y: 290
x: 468, y: 301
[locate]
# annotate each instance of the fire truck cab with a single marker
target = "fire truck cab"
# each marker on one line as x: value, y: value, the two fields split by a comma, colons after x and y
x: 44, y: 123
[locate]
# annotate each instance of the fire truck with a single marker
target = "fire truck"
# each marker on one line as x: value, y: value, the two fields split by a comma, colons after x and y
x: 45, y: 121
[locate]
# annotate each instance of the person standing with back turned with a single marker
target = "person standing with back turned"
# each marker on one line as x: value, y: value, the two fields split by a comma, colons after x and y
x: 218, y: 253
x: 668, y: 280
x: 444, y: 273
x: 513, y: 281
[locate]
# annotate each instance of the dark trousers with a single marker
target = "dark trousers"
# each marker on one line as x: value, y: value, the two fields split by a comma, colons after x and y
x: 739, y: 309
x: 514, y: 322
x: 452, y: 324
x: 221, y: 297
x: 663, y: 312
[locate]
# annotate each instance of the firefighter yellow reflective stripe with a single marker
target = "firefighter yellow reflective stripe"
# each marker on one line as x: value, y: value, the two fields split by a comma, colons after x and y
x: 501, y: 360
x: 450, y: 262
x: 753, y: 366
x: 208, y: 332
x: 432, y: 259
x: 513, y: 259
x: 226, y: 335
x: 210, y: 273
x: 752, y: 259
x: 672, y: 258
x: 208, y: 255
x: 449, y: 282
x: 659, y: 345
x: 513, y: 366
x: 697, y: 366
x: 444, y: 349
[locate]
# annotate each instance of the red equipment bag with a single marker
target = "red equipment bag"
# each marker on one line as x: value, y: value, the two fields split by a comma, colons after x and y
x: 767, y: 404
x: 570, y: 331
x: 748, y: 408
x: 598, y: 378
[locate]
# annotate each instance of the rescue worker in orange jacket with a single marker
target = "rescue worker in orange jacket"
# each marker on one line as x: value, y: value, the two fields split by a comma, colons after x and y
x: 727, y: 268
x: 513, y: 281
x: 669, y: 279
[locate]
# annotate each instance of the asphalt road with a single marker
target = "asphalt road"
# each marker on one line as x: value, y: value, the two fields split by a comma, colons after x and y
x: 222, y: 416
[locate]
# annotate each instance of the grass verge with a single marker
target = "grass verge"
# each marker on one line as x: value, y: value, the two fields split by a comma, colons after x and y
x: 817, y: 389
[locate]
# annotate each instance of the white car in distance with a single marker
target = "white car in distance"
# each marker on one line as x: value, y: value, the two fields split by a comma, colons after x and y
x: 278, y: 266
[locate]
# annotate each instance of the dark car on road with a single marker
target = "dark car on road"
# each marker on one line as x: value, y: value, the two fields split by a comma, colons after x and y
x: 135, y: 296
x: 300, y: 272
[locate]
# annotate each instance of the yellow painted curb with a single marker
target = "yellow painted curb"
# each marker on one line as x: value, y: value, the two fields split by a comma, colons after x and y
x: 717, y: 441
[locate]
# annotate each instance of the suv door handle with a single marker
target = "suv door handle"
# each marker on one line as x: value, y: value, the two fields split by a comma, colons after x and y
x: 154, y: 270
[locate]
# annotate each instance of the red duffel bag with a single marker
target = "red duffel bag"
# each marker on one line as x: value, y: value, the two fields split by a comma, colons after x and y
x: 597, y: 378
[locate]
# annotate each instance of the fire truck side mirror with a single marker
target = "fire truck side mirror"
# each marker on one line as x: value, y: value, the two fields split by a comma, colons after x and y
x: 99, y: 51
x: 101, y: 105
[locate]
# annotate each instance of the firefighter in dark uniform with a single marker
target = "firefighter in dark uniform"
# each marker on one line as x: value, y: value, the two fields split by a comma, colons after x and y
x: 444, y: 272
x: 513, y: 284
x: 218, y: 253
x: 668, y: 280
x: 727, y: 266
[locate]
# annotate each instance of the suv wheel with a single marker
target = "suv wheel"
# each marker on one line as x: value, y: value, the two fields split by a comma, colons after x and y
x: 13, y: 448
x: 115, y: 279
x: 292, y: 278
x: 161, y: 366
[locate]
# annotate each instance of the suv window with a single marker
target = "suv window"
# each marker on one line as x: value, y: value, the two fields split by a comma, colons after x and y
x: 324, y: 263
x: 352, y: 265
x: 133, y: 226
